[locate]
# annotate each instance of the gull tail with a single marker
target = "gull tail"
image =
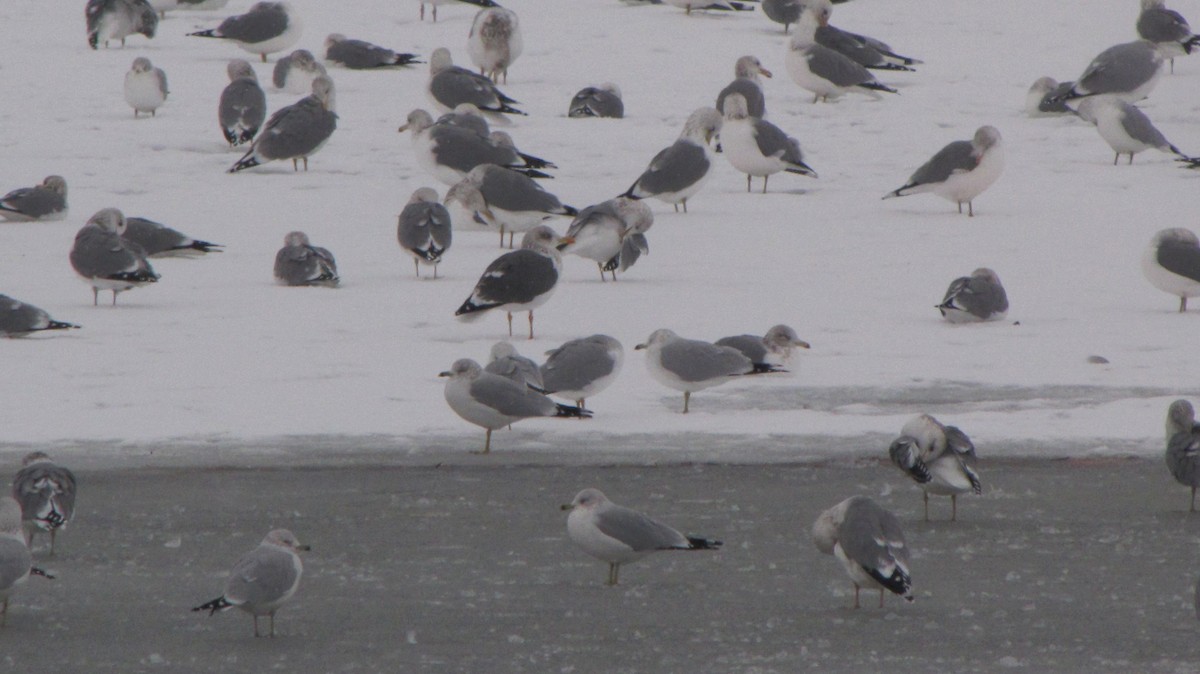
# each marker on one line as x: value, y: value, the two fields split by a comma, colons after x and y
x: 561, y: 410
x: 432, y: 254
x: 568, y: 210
x: 900, y: 191
x: 897, y: 583
x: 139, y: 276
x: 60, y: 325
x: 218, y: 604
x: 405, y: 60
x: 470, y: 310
x: 532, y: 173
x: 507, y: 109
x: 878, y: 86
x: 891, y: 66
x: 802, y: 169
x: 701, y: 543
x: 35, y: 571
x: 765, y: 368
x: 205, y: 247
x: 1192, y: 162
x: 535, y: 162
x: 211, y: 32
x: 248, y: 161
x: 1191, y: 43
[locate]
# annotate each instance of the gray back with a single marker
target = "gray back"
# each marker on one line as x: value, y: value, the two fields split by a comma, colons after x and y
x: 976, y: 295
x: 264, y: 21
x: 829, y: 64
x: 357, y: 54
x: 695, y: 361
x: 595, y: 102
x: 1120, y: 68
x: 456, y: 85
x: 675, y: 168
x: 637, y: 530
x: 956, y: 156
x: 751, y: 346
x: 1139, y: 127
x: 871, y: 535
x: 262, y: 577
x: 1159, y: 24
x: 756, y: 103
x: 510, y: 398
x: 512, y: 191
x: 1183, y: 457
x: 423, y: 225
x: 17, y: 317
x: 517, y: 277
x: 243, y: 104
x: 1179, y: 257
x: 576, y: 364
x: 296, y: 130
x: 462, y: 148
x: 153, y: 237
x: 305, y: 265
x: 33, y: 202
x: 99, y: 253
x: 846, y: 45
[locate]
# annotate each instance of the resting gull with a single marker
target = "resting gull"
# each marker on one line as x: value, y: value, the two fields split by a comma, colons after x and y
x: 158, y: 240
x: 746, y: 82
x: 774, y: 348
x: 757, y: 147
x: 1183, y: 446
x: 295, y: 132
x: 299, y: 263
x: 105, y: 260
x: 118, y: 19
x: 1172, y: 264
x: 423, y: 229
x: 723, y: 5
x: 18, y: 319
x: 449, y: 149
x: 450, y: 85
x: 691, y: 365
x: 507, y: 200
x: 869, y: 543
x: 361, y: 55
x: 960, y: 171
x: 16, y: 562
x: 581, y: 368
x: 611, y: 233
x: 824, y: 71
x: 295, y: 72
x: 1125, y: 128
x: 939, y: 458
x: 47, y: 201
x: 978, y: 297
x: 145, y: 87
x: 1045, y: 97
x: 268, y: 27
x: 1129, y: 71
x: 263, y: 579
x: 495, y: 42
x: 243, y: 105
x: 519, y: 280
x: 865, y: 51
x: 1167, y: 29
x: 679, y: 171
x: 46, y: 492
x: 507, y: 362
x: 602, y: 101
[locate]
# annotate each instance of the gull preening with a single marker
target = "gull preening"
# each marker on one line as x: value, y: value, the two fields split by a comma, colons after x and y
x: 1183, y: 446
x: 680, y: 170
x: 519, y: 280
x: 868, y: 541
x: 47, y: 201
x: 1125, y: 128
x: 118, y: 19
x: 978, y: 297
x: 1172, y: 263
x: 1128, y: 71
x: 492, y: 401
x: 295, y: 72
x: 299, y: 263
x: 18, y: 319
x: 145, y: 87
x: 449, y: 86
x: 618, y: 535
x: 423, y: 229
x: 495, y: 42
x: 691, y: 365
x: 449, y: 149
x: 602, y: 101
x: 158, y: 240
x: 16, y: 562
x: 746, y: 82
x: 757, y: 147
x: 775, y: 348
x: 508, y: 200
x: 939, y: 458
x: 582, y: 368
x: 46, y: 492
x: 263, y: 580
x: 243, y: 104
x: 267, y: 27
x: 362, y: 55
x: 295, y: 132
x: 1167, y: 29
x: 611, y: 233
x: 105, y: 260
x: 960, y: 171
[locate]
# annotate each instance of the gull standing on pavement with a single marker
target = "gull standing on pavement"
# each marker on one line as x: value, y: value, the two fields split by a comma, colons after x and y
x: 679, y: 171
x: 423, y: 229
x: 105, y: 260
x: 757, y: 147
x: 243, y: 105
x: 47, y: 201
x: 1183, y: 446
x: 145, y: 87
x: 263, y: 580
x: 939, y: 458
x: 519, y: 280
x: 268, y: 27
x: 1172, y: 264
x: 869, y: 543
x: 691, y: 365
x: 46, y: 492
x: 821, y: 70
x: 295, y: 132
x: 960, y: 171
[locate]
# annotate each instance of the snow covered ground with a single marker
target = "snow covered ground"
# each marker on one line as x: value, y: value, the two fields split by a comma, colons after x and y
x: 216, y: 355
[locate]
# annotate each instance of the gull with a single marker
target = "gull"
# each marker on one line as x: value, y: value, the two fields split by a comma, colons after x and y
x: 295, y: 72
x: 785, y: 12
x: 295, y: 132
x: 725, y: 5
x: 268, y: 27
x: 492, y: 401
x: 679, y: 171
x: 105, y: 260
x: 691, y: 365
x: 361, y: 55
x: 163, y: 6
x: 519, y: 280
x: 450, y: 85
x: 495, y: 41
x: 118, y: 19
x: 145, y: 87
x: 602, y: 101
x: 865, y: 51
x: 1183, y: 446
x: 1128, y: 71
x: 18, y: 319
x: 581, y: 368
x: 869, y: 543
x: 423, y: 229
x: 46, y: 492
x: 508, y: 363
x: 158, y: 240
x: 939, y: 458
x: 746, y: 82
x: 243, y: 105
x: 47, y: 201
x: 449, y: 150
x: 960, y: 171
x: 611, y: 233
x: 16, y: 562
x: 978, y: 297
x: 757, y: 147
x: 1167, y: 29
x: 1172, y: 264
x: 467, y: 116
x: 1044, y: 97
x: 263, y: 579
x: 619, y: 535
x: 821, y: 70
x: 507, y: 200
x: 299, y: 263
x: 435, y: 3
x: 1125, y: 128
x: 773, y: 348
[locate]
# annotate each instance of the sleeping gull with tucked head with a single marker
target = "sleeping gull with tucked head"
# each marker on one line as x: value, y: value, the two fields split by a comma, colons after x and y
x: 362, y: 55
x: 507, y: 362
x: 869, y: 543
x: 46, y: 492
x: 47, y: 201
x: 939, y: 458
x: 510, y: 201
x: 423, y: 229
x: 1183, y: 446
x: 691, y: 365
x: 978, y: 297
x: 960, y: 171
x: 243, y: 104
x: 18, y: 319
x: 263, y: 580
x: 602, y: 101
x: 1044, y: 98
x: 299, y: 263
x: 450, y: 85
x: 679, y: 171
x: 267, y: 27
x: 105, y: 260
x: 1172, y: 264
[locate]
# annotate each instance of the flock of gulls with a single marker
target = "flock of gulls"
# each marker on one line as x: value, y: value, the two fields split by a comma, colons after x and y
x: 490, y: 182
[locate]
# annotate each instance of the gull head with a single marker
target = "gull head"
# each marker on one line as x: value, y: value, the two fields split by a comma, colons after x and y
x: 541, y: 239
x: 110, y: 220
x: 417, y: 121
x: 240, y: 69
x: 333, y: 39
x: 142, y: 64
x: 285, y: 539
x: 588, y: 499
x: 782, y: 339
x: 750, y: 68
x: 424, y: 195
x: 1181, y: 417
x: 440, y: 60
x: 56, y: 184
x: 703, y: 125
x: 322, y: 90
x: 660, y: 336
x: 986, y: 137
x: 463, y: 368
x: 292, y: 239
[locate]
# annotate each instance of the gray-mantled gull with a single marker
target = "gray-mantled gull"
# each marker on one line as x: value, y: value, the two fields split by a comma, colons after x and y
x: 450, y: 85
x: 423, y: 229
x: 158, y: 240
x: 939, y: 458
x: 435, y: 3
x: 611, y: 233
x: 299, y: 263
x: 978, y: 297
x: 495, y: 42
x: 821, y: 70
x: 1183, y: 446
x: 1172, y: 264
x: 503, y: 140
x: 773, y: 348
x: 602, y: 101
x: 263, y: 579
x: 145, y: 87
x: 105, y: 260
x: 47, y: 201
x: 118, y: 19
x: 243, y: 105
x: 18, y: 319
x: 581, y: 368
x: 869, y: 543
x: 679, y: 171
x: 690, y: 365
x: 785, y: 12
x: 295, y: 72
x: 492, y: 401
x: 449, y: 151
x: 757, y: 147
x: 619, y: 535
x: 508, y: 363
x: 865, y: 51
x: 1125, y: 128
x: 724, y: 5
x: 46, y: 492
x: 519, y: 280
x: 507, y: 200
x: 960, y: 171
x: 1167, y: 29
x: 1044, y: 97
x: 268, y: 27
x: 362, y: 55
x: 16, y: 562
x: 295, y: 132
x: 467, y: 116
x: 746, y: 71
x: 1129, y: 71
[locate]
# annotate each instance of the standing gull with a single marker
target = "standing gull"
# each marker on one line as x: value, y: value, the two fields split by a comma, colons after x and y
x: 746, y: 82
x: 821, y: 70
x: 1167, y: 29
x: 581, y: 368
x: 679, y: 171
x: 507, y: 200
x: 774, y: 348
x: 757, y: 147
x: 939, y: 458
x: 865, y: 51
x: 118, y: 19
x: 145, y: 87
x: 960, y: 171
x: 611, y: 233
x: 1128, y: 71
x: 519, y: 280
x: 1045, y: 97
x: 361, y: 55
x: 47, y: 201
x: 1125, y: 128
x: 690, y: 365
x: 243, y: 105
x: 18, y: 319
x: 423, y: 229
x: 46, y: 492
x: 495, y: 42
x: 268, y: 27
x: 1172, y: 264
x: 508, y: 363
x: 602, y: 101
x: 295, y: 132
x: 299, y: 263
x: 618, y: 535
x: 295, y: 72
x: 263, y: 579
x: 106, y: 261
x: 1183, y: 446
x: 16, y: 562
x: 449, y: 149
x: 978, y: 297
x: 869, y: 543
x: 450, y: 85
x: 158, y: 240
x: 492, y: 401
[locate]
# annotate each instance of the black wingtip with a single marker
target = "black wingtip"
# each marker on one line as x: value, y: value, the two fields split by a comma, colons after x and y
x: 570, y: 210
x: 897, y: 583
x: 892, y: 66
x: 211, y: 32
x: 244, y: 163
x: 35, y: 571
x: 530, y: 173
x: 61, y: 325
x: 878, y: 86
x: 701, y: 543
x: 571, y: 411
x: 218, y: 604
x: 765, y: 368
x: 536, y: 162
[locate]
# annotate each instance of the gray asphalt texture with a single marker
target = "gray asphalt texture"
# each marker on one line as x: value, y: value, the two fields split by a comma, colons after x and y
x: 1061, y: 566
